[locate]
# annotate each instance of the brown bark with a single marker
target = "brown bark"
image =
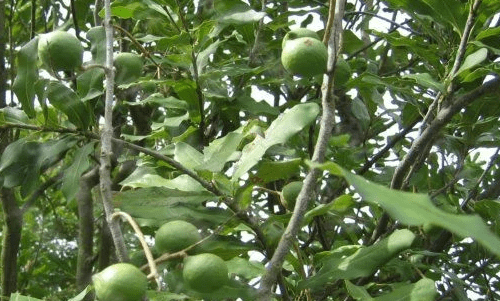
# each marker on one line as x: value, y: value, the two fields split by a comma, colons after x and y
x: 10, y: 243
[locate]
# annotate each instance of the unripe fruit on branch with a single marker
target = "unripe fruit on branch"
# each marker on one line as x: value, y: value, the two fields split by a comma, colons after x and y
x: 120, y: 282
x: 290, y: 192
x: 205, y: 272
x: 299, y: 33
x: 305, y: 57
x: 60, y: 51
x: 175, y: 236
x: 128, y: 67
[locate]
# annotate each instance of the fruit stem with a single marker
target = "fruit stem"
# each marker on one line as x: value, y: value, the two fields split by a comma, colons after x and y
x: 145, y: 247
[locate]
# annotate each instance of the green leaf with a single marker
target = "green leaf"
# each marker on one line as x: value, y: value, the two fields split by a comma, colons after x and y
x: 90, y: 82
x: 473, y: 60
x: 220, y: 151
x: 13, y: 115
x: 68, y: 102
x: 422, y: 290
x: 163, y: 204
x: 417, y: 209
x: 187, y: 155
x: 22, y: 161
x: 426, y: 81
x: 285, y: 126
x: 245, y: 268
x: 80, y: 164
x: 340, y: 204
x: 357, y: 292
x: 145, y: 176
x: 82, y: 294
x: 269, y: 171
x: 27, y: 75
x: 364, y: 262
x: 19, y: 297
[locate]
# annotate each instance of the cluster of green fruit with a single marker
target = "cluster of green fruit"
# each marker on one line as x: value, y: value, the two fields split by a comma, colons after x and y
x: 204, y: 272
x: 303, y: 53
x: 62, y: 51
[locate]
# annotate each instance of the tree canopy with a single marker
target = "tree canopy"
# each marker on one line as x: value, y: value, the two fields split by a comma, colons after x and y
x: 392, y: 153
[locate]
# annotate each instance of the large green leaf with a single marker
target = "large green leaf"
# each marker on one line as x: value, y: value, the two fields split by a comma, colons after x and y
x: 23, y: 161
x: 422, y: 290
x: 417, y: 209
x: 163, y: 204
x: 80, y: 163
x: 269, y: 171
x: 68, y: 102
x: 90, y: 82
x: 27, y: 75
x: 364, y: 262
x: 285, y: 126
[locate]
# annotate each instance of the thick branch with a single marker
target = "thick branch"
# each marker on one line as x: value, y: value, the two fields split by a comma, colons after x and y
x: 106, y: 145
x: 308, y: 189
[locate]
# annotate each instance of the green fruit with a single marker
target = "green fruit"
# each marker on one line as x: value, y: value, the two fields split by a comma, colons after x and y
x: 305, y: 57
x: 120, y: 282
x: 175, y: 236
x: 299, y: 33
x: 290, y: 192
x: 342, y: 73
x: 128, y: 67
x: 60, y: 51
x: 205, y: 272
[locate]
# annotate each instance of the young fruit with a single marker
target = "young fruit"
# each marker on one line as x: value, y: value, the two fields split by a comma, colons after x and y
x: 175, y: 236
x: 290, y: 192
x: 120, y: 282
x: 205, y: 272
x: 305, y: 57
x: 299, y: 33
x: 60, y: 51
x: 128, y: 67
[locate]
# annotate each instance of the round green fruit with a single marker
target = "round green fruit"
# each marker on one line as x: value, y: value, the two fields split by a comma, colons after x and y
x: 342, y: 73
x: 205, y: 272
x: 175, y: 236
x: 290, y: 192
x: 305, y: 57
x: 120, y: 282
x: 60, y: 51
x: 299, y: 33
x: 128, y: 67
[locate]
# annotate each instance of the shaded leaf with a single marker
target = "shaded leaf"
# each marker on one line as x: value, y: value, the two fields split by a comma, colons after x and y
x: 357, y: 292
x: 426, y: 81
x: 80, y: 164
x: 269, y: 171
x: 68, y: 102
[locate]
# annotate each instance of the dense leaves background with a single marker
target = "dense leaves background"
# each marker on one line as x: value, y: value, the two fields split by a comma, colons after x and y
x: 215, y: 128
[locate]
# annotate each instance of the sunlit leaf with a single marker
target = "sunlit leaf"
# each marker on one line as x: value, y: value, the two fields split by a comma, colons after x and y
x: 364, y: 262
x: 280, y: 130
x: 27, y: 75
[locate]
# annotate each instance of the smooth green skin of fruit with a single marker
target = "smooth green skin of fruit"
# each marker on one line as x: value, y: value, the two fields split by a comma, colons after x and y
x: 299, y: 33
x: 305, y: 57
x: 120, y: 282
x: 205, y: 272
x: 175, y: 236
x: 290, y: 192
x: 128, y: 67
x: 342, y: 73
x: 60, y: 51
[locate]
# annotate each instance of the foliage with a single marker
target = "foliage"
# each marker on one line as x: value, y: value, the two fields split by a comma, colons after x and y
x: 405, y: 205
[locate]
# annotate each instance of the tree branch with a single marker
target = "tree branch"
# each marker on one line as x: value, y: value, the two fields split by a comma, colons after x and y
x: 106, y: 145
x: 308, y: 189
